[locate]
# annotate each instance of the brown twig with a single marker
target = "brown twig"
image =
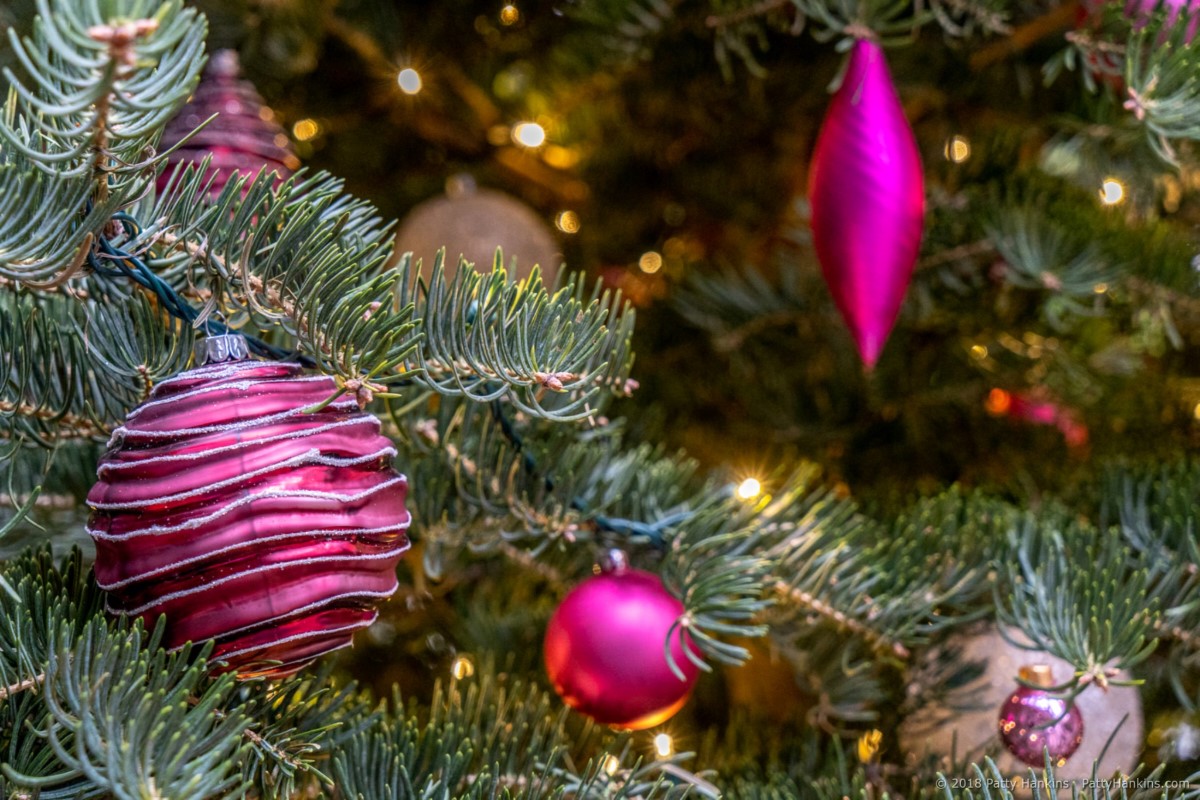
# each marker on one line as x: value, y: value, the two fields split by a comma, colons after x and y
x: 733, y: 18
x: 878, y: 641
x: 81, y: 427
x: 16, y: 688
x: 1057, y: 19
x: 54, y: 501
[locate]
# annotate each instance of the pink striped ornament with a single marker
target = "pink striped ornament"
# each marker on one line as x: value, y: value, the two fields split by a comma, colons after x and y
x: 248, y: 520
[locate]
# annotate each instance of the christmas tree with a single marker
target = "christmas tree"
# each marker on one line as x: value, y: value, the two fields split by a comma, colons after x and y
x: 300, y: 502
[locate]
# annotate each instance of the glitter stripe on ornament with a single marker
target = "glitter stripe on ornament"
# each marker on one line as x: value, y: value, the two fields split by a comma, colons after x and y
x: 231, y: 506
x: 287, y: 496
x: 117, y: 583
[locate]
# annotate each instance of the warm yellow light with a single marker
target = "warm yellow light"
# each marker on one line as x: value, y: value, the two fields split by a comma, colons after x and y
x: 1196, y: 412
x: 663, y: 745
x: 749, y: 489
x: 529, y: 134
x: 958, y: 149
x: 611, y: 765
x: 567, y: 222
x: 1100, y: 288
x: 650, y: 262
x: 305, y: 129
x: 979, y: 352
x: 1112, y: 191
x: 560, y: 157
x: 510, y: 14
x: 463, y: 667
x: 409, y: 80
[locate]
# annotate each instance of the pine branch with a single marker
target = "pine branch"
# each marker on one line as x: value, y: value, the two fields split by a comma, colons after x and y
x: 306, y: 259
x: 103, y: 82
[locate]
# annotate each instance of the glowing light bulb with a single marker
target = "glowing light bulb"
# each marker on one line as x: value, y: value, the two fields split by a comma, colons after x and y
x: 409, y: 80
x: 462, y: 667
x: 979, y: 352
x: 749, y: 489
x: 611, y: 765
x: 529, y: 134
x: 567, y: 222
x: 958, y: 149
x: 510, y: 14
x: 663, y: 745
x: 650, y: 262
x: 1112, y: 192
x: 305, y: 129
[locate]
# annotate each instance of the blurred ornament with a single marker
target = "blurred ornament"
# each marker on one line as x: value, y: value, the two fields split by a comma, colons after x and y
x: 867, y: 194
x: 962, y: 721
x: 1034, y: 722
x: 1105, y: 59
x: 474, y: 222
x: 244, y: 138
x: 604, y: 650
x: 1036, y: 408
x: 228, y: 504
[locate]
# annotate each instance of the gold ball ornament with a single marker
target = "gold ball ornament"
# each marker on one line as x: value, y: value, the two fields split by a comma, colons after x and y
x: 965, y: 723
x: 474, y: 222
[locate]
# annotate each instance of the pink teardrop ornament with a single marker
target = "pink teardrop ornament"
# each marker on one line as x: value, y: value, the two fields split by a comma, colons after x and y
x: 867, y: 194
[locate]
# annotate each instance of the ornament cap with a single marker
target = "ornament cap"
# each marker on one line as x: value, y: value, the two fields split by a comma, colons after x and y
x: 613, y: 561
x: 220, y: 348
x: 1037, y: 675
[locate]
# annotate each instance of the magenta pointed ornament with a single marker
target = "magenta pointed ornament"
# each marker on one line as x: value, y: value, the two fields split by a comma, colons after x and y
x: 867, y: 194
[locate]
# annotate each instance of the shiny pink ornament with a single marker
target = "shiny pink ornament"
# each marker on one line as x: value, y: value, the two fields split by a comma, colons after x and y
x: 1033, y: 722
x: 244, y: 138
x: 605, y: 650
x: 245, y: 518
x: 867, y: 194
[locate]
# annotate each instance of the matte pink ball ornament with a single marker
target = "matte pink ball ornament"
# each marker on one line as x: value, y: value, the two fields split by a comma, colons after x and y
x: 867, y: 195
x: 1033, y: 722
x: 606, y: 645
x: 229, y: 506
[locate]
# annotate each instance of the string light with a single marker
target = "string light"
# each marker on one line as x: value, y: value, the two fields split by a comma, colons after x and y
x: 1196, y: 412
x: 749, y: 489
x: 998, y: 402
x: 462, y: 667
x: 958, y: 149
x: 650, y: 262
x: 663, y: 745
x: 510, y: 14
x: 979, y: 352
x: 529, y: 134
x: 567, y: 222
x: 305, y: 129
x: 409, y: 80
x: 1112, y: 192
x: 611, y: 765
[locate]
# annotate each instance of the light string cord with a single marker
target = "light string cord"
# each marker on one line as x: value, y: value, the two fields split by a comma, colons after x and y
x: 130, y: 265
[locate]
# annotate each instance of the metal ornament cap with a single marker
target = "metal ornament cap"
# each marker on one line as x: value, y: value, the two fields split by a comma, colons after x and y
x: 219, y: 348
x: 867, y: 194
x: 227, y: 505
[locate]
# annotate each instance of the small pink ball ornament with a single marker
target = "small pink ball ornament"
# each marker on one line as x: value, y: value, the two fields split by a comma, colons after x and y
x: 228, y: 505
x: 1033, y: 722
x: 605, y: 650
